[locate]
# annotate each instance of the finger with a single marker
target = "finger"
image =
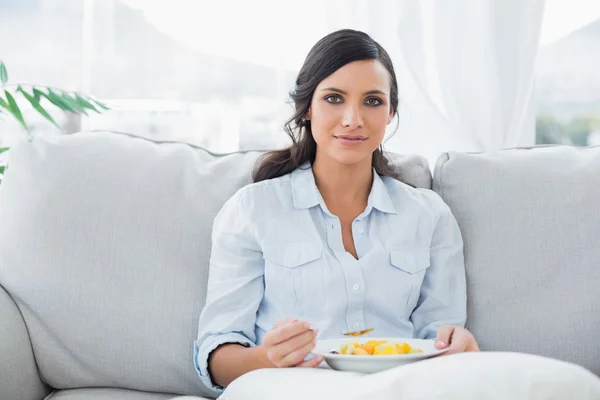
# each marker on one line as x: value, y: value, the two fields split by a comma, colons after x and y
x: 283, y: 322
x: 281, y: 350
x: 312, y: 363
x: 283, y: 333
x: 460, y: 341
x: 473, y: 345
x: 444, y: 336
x: 298, y: 355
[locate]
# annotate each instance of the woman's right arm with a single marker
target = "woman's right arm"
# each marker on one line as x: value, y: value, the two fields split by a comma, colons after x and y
x: 234, y: 293
x: 226, y: 344
x: 286, y: 345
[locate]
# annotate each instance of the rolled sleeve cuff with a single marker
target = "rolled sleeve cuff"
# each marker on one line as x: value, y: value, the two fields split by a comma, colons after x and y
x: 430, y: 332
x: 202, y: 352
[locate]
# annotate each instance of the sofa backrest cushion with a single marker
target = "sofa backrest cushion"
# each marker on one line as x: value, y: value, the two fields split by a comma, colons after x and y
x: 530, y: 220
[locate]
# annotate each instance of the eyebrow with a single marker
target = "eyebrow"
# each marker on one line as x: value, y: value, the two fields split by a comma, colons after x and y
x: 332, y: 89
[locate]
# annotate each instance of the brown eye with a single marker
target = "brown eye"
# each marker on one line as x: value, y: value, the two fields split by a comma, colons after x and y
x: 373, y: 101
x: 333, y: 99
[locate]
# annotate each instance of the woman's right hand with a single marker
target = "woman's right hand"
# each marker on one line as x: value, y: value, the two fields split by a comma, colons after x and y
x: 288, y: 344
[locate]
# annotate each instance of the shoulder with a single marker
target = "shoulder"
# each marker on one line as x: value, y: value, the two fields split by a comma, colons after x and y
x: 261, y: 195
x: 405, y: 196
x: 267, y: 189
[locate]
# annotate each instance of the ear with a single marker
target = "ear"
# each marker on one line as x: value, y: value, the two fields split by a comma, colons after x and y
x: 391, y: 116
x: 307, y: 115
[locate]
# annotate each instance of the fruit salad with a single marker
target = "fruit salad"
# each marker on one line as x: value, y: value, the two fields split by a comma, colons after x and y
x: 377, y: 348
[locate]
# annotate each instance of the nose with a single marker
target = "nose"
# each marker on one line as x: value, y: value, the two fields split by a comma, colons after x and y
x: 352, y: 117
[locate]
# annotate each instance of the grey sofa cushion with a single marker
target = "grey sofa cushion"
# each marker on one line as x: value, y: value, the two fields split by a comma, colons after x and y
x: 412, y: 169
x: 531, y: 224
x: 104, y: 245
x: 19, y: 379
x: 106, y: 394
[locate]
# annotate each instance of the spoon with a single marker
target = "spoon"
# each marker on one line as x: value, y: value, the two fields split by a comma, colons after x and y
x: 358, y: 333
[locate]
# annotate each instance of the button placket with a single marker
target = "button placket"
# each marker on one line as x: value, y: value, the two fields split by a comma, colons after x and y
x: 354, y: 287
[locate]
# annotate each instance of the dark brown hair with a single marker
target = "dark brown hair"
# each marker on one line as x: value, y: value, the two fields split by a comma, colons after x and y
x: 327, y: 56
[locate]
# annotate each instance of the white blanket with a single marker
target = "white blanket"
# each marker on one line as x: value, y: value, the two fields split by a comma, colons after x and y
x: 477, y: 376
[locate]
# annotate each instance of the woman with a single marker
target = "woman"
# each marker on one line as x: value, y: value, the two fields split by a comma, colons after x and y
x: 326, y: 240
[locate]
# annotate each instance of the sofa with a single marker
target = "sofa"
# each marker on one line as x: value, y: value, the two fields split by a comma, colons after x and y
x: 105, y: 242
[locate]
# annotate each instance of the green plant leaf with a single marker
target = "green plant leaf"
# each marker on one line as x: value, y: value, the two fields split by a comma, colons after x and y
x: 72, y: 103
x: 37, y: 106
x: 14, y: 109
x: 57, y: 100
x: 37, y: 94
x: 3, y: 149
x: 101, y: 105
x: 85, y: 104
x: 3, y: 73
x: 4, y: 104
x: 2, y: 170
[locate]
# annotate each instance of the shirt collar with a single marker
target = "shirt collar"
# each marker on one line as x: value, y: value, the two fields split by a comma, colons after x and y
x: 305, y: 193
x: 304, y: 189
x: 380, y: 197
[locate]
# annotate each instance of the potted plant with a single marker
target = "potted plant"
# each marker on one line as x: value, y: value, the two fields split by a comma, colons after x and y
x: 39, y: 97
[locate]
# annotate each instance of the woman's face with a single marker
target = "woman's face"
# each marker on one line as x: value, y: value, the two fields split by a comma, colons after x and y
x: 349, y: 112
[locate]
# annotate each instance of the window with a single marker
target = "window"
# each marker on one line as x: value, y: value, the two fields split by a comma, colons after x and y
x: 184, y: 69
x: 199, y: 72
x: 49, y: 55
x: 568, y: 74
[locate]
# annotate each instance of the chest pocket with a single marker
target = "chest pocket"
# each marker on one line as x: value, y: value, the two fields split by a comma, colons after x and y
x: 294, y: 276
x: 411, y: 266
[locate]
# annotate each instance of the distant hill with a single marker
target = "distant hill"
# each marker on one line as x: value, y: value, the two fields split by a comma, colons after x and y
x: 568, y: 74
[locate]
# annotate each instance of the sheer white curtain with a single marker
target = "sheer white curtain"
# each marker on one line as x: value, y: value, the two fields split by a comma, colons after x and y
x: 218, y: 73
x: 473, y: 61
x: 465, y: 69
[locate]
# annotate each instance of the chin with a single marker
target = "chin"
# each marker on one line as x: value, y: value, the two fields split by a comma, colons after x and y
x: 351, y: 158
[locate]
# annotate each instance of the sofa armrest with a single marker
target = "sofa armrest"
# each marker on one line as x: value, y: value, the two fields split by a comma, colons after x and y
x: 19, y: 377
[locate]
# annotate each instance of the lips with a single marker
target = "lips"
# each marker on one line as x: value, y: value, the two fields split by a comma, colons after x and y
x: 350, y: 140
x: 358, y: 138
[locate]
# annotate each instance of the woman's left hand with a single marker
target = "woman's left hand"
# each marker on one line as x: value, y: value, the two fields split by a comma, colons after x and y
x: 459, y: 340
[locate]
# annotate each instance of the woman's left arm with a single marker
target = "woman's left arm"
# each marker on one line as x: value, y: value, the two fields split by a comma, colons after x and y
x: 442, y: 308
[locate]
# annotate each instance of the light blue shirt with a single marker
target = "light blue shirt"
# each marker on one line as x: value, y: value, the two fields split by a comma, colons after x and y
x: 277, y: 252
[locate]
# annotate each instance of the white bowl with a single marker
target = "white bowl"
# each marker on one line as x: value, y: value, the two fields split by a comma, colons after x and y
x: 368, y: 363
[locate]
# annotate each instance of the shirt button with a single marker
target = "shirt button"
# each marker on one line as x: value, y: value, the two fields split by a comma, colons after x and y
x: 361, y: 230
x: 355, y: 287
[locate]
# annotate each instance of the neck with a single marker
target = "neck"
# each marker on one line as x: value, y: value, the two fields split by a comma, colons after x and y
x: 343, y: 185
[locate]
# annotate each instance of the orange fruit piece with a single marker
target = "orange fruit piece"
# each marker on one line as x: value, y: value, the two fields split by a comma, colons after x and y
x: 369, y: 348
x: 403, y: 348
x: 344, y: 349
x: 376, y: 342
x: 359, y: 352
x: 387, y: 350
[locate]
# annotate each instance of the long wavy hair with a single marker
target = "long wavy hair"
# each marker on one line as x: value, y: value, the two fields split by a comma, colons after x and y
x: 327, y: 56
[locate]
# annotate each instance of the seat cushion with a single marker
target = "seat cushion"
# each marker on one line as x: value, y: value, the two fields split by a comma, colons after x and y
x: 104, y: 246
x: 106, y: 394
x: 531, y: 227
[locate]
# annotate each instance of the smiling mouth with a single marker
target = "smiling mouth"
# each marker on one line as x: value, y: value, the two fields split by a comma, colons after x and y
x: 351, y: 138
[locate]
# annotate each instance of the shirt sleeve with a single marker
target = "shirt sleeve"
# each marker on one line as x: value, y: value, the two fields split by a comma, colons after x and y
x: 443, y: 297
x: 235, y: 286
